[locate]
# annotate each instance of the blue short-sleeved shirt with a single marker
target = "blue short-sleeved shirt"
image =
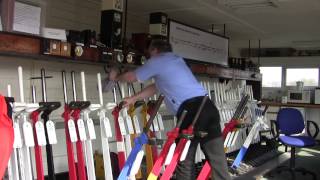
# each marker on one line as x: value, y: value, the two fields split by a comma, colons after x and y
x: 173, y: 79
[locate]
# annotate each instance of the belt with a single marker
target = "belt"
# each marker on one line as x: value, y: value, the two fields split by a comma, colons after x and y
x: 188, y: 101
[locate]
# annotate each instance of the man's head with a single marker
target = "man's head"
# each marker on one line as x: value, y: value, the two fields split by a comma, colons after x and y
x: 159, y: 46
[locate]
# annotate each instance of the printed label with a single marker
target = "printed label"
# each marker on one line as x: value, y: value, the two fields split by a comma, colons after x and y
x: 41, y: 136
x: 51, y: 130
x: 120, y: 147
x: 122, y: 126
x: 92, y: 132
x: 136, y: 124
x: 160, y: 121
x: 129, y: 125
x: 81, y: 130
x: 107, y: 127
x: 72, y: 131
x: 155, y: 124
x: 28, y: 134
x: 17, y: 136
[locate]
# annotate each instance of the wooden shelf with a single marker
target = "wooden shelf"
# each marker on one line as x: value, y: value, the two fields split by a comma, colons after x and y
x: 51, y: 58
x: 212, y: 70
x: 205, y: 70
x: 48, y: 58
x: 271, y: 103
x: 29, y: 47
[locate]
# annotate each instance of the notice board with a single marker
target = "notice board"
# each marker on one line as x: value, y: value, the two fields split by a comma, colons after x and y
x: 199, y: 45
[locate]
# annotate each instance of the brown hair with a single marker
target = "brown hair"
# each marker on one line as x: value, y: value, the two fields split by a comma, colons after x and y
x: 161, y: 45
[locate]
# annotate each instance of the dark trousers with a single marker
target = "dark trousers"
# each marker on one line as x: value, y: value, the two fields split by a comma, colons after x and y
x: 211, y: 145
x: 214, y: 152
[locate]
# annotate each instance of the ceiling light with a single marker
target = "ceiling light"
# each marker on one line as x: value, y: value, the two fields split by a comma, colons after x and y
x: 244, y: 4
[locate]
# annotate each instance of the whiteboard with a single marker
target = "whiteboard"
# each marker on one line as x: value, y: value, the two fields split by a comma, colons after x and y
x: 195, y: 44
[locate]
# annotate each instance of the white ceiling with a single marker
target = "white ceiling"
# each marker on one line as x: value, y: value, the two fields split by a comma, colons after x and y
x: 276, y: 23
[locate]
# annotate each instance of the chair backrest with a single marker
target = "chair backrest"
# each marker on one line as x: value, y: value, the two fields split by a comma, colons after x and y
x: 290, y: 121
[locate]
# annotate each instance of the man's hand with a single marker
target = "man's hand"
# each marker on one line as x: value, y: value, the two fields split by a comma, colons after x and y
x: 129, y: 100
x: 113, y: 74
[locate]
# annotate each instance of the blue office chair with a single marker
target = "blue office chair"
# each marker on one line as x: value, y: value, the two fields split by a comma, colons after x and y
x: 289, y: 123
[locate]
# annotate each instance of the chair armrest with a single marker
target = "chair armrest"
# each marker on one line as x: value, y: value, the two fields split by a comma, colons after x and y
x: 309, y: 122
x: 274, y: 128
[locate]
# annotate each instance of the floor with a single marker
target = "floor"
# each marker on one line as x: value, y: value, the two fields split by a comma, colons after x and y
x: 308, y: 158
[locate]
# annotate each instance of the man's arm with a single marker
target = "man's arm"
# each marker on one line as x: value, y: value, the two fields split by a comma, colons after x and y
x: 145, y: 93
x: 129, y: 76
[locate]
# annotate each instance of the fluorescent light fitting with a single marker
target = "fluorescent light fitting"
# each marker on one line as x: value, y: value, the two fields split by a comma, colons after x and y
x: 248, y: 4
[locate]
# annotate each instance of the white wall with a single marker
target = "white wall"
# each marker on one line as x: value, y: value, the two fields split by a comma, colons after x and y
x: 136, y: 25
x: 74, y: 14
x: 80, y: 15
x: 236, y: 45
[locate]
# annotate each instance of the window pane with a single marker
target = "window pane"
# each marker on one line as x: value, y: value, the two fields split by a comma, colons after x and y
x: 308, y: 75
x: 271, y: 76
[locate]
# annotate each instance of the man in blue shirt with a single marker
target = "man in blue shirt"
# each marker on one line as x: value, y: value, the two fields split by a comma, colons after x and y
x: 182, y: 91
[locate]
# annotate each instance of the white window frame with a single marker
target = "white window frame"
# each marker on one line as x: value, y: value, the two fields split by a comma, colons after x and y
x: 284, y: 73
x: 281, y: 85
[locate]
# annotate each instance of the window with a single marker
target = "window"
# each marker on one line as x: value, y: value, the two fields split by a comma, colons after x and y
x: 307, y: 75
x: 271, y: 76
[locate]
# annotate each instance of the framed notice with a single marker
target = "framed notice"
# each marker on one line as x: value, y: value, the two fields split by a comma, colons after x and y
x: 199, y: 45
x: 0, y: 24
x: 26, y: 18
